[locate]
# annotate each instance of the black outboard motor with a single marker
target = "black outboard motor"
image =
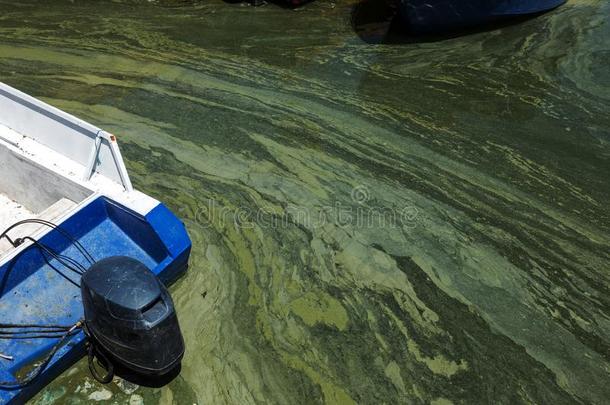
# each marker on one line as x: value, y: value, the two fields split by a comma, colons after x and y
x: 130, y: 316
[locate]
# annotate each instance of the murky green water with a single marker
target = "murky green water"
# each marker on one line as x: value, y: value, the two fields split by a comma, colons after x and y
x: 375, y: 220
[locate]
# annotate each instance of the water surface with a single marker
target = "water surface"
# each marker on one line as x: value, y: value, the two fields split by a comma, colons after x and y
x: 375, y: 219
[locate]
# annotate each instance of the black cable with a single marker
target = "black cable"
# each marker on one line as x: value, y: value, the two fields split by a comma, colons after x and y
x: 16, y: 330
x: 32, y: 331
x: 40, y: 330
x: 46, y: 250
x: 36, y: 331
x: 78, y: 268
x: 72, y: 265
x: 33, y: 325
x: 51, y: 225
x: 68, y: 279
x: 66, y: 234
x: 30, y: 337
x: 94, y: 351
x: 15, y: 385
x: 43, y: 249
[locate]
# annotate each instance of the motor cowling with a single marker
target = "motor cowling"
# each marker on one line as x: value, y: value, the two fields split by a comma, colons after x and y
x: 131, y: 316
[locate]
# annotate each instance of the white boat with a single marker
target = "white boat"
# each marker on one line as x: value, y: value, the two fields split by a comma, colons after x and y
x: 68, y: 178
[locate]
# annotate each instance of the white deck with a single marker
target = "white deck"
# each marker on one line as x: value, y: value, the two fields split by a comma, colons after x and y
x: 11, y: 212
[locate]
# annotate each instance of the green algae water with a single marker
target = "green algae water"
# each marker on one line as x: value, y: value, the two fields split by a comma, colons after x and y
x: 375, y: 218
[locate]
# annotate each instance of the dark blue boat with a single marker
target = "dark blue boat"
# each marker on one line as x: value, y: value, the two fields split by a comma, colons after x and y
x: 427, y: 16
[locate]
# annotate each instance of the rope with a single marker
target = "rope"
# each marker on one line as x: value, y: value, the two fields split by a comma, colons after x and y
x: 92, y: 352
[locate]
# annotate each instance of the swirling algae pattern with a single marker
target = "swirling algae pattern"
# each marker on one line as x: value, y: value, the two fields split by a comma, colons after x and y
x: 273, y: 132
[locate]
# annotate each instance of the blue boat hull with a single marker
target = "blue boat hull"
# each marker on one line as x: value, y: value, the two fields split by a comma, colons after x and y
x: 32, y: 292
x: 426, y: 16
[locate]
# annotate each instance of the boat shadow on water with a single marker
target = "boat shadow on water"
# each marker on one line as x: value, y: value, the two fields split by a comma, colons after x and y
x: 378, y: 22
